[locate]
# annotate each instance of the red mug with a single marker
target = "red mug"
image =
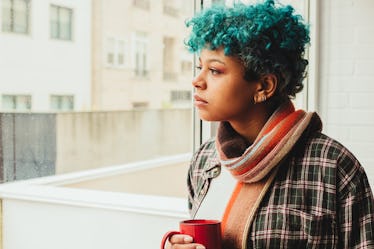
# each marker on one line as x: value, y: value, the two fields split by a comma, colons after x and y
x: 205, y: 232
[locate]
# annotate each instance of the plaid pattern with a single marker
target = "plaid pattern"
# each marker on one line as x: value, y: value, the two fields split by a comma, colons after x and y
x: 320, y: 198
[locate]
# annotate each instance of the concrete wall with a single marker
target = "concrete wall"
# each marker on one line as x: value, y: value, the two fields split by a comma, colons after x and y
x: 95, y: 139
x: 346, y: 75
x: 34, y: 145
x: 27, y: 145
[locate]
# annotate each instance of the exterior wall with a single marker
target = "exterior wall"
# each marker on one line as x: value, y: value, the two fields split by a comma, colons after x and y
x: 346, y: 62
x: 117, y: 87
x: 41, y: 144
x: 97, y: 139
x: 37, y: 65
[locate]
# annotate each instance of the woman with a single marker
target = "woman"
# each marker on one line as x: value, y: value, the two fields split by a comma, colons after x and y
x: 270, y: 174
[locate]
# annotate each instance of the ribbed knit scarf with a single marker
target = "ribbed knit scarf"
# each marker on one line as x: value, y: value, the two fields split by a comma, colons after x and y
x: 251, y: 164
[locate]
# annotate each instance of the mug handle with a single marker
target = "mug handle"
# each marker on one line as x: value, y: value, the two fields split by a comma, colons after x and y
x: 166, y: 237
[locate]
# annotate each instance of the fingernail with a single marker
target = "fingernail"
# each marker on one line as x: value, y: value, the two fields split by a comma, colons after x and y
x: 200, y: 247
x: 187, y: 239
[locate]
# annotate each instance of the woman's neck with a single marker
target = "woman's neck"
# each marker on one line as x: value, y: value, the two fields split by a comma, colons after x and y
x: 250, y: 127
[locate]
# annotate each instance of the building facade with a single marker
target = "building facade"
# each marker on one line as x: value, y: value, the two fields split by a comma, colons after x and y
x: 45, y: 49
x: 139, y: 59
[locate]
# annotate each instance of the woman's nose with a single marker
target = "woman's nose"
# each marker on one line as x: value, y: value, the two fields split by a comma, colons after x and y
x: 199, y: 82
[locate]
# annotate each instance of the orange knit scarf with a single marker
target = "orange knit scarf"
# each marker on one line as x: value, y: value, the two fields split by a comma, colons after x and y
x: 251, y: 166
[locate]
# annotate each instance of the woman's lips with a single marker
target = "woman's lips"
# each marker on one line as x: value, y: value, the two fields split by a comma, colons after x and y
x: 199, y: 102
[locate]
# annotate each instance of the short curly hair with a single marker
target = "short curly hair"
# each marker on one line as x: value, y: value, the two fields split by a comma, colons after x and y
x: 265, y: 37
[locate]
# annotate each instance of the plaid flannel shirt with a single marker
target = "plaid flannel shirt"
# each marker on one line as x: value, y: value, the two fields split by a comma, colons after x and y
x: 320, y: 198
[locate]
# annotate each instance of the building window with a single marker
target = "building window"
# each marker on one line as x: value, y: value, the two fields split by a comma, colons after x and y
x: 180, y: 96
x: 61, y: 21
x: 141, y: 55
x: 186, y: 67
x: 140, y: 105
x: 116, y: 52
x: 16, y: 16
x: 143, y: 4
x: 62, y: 102
x: 16, y: 102
x: 169, y: 74
x: 170, y: 8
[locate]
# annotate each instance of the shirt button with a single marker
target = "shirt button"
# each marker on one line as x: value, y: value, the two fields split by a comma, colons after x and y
x: 216, y: 172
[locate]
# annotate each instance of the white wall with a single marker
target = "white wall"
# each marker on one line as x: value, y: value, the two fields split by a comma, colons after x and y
x: 346, y: 79
x: 44, y: 224
x: 38, y: 65
x: 50, y: 212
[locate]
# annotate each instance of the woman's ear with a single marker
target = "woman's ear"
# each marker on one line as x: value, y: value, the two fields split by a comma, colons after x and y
x: 267, y: 86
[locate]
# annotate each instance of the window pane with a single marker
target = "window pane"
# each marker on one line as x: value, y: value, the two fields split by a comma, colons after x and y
x: 6, y: 15
x: 15, y: 16
x: 54, y: 21
x: 65, y: 23
x: 117, y: 91
x: 61, y: 22
x: 21, y: 16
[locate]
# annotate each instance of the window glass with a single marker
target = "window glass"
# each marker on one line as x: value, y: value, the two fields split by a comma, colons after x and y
x: 16, y: 102
x: 15, y: 16
x: 62, y: 103
x: 61, y: 22
x: 119, y: 91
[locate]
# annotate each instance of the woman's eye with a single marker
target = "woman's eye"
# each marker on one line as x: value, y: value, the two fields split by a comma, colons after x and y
x: 198, y: 68
x: 214, y: 71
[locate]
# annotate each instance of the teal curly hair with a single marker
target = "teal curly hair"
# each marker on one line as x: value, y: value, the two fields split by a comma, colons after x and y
x: 268, y: 39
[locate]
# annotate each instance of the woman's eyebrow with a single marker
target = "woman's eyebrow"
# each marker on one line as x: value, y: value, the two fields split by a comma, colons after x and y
x: 213, y: 60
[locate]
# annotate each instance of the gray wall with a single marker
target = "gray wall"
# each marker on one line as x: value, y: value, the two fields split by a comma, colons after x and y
x: 28, y: 145
x: 96, y: 139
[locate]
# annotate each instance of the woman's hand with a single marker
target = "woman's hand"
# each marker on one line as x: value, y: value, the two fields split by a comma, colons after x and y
x: 182, y: 241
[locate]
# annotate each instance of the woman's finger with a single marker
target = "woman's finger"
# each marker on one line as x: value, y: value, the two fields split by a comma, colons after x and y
x: 180, y: 239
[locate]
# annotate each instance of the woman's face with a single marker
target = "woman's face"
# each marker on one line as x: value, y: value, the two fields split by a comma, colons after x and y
x: 222, y: 93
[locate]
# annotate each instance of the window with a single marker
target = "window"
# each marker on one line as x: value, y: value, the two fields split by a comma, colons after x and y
x: 171, y: 7
x: 62, y: 102
x: 141, y: 55
x: 116, y: 52
x: 16, y: 16
x: 140, y: 105
x: 180, y: 96
x: 109, y: 81
x: 61, y: 21
x: 16, y: 102
x: 169, y: 59
x: 186, y: 66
